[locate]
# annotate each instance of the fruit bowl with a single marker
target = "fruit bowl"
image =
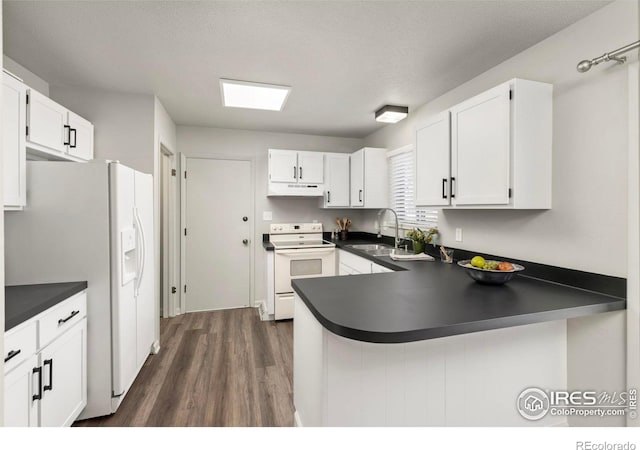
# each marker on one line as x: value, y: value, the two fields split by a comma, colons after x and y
x: 490, y: 276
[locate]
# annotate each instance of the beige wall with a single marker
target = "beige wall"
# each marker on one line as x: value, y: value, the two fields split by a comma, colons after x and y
x: 30, y: 79
x: 124, y: 123
x: 586, y: 229
x: 253, y: 145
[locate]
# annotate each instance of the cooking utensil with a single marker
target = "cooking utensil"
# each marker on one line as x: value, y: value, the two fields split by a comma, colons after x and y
x: 446, y: 255
x: 490, y: 276
x: 348, y: 224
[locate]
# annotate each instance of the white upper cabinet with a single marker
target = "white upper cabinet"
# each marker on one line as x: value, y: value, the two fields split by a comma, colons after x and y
x: 80, y: 137
x: 14, y: 120
x: 480, y: 144
x: 296, y: 173
x: 369, y: 178
x: 47, y: 123
x: 336, y: 186
x: 433, y: 161
x: 500, y: 150
x: 311, y: 167
x: 54, y: 132
x: 283, y: 166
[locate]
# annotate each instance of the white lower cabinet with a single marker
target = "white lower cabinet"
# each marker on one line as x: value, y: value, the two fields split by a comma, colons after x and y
x: 64, y: 378
x: 350, y: 264
x: 47, y: 388
x: 20, y: 408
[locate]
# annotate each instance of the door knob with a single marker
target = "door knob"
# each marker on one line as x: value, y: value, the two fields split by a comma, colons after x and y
x: 245, y: 241
x: 245, y: 218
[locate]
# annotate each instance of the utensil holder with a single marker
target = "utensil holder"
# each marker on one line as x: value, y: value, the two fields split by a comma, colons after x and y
x: 343, y: 235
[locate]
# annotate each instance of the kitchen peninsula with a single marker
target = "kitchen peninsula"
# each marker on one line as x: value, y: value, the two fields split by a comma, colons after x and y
x: 427, y: 346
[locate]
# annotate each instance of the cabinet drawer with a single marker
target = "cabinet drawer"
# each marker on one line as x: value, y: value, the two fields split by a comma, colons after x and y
x: 19, y: 344
x: 62, y: 317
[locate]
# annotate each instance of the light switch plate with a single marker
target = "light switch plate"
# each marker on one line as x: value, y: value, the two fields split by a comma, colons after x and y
x: 267, y: 215
x: 458, y: 234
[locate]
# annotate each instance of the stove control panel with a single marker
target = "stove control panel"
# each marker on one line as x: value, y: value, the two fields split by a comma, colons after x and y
x: 292, y: 228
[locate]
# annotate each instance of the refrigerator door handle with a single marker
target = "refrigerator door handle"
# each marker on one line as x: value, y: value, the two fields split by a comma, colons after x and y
x: 143, y: 251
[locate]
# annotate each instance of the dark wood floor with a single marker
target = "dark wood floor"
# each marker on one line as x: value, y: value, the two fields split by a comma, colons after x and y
x: 221, y: 368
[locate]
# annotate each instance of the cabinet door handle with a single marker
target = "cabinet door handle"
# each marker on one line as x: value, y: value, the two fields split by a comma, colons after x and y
x: 360, y: 195
x: 71, y: 316
x: 300, y: 173
x: 49, y: 387
x: 328, y: 196
x: 295, y: 172
x: 75, y: 137
x: 444, y: 188
x: 12, y: 354
x: 67, y: 135
x: 453, y: 191
x: 38, y: 396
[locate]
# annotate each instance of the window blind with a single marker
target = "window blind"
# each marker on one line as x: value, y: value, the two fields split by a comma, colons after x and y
x: 402, y: 192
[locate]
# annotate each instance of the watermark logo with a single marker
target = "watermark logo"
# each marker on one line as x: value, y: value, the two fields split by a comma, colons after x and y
x: 533, y: 404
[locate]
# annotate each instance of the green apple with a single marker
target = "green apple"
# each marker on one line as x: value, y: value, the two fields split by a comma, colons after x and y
x: 478, y: 261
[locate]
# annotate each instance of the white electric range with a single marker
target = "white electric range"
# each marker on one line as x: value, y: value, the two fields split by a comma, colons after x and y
x: 300, y: 252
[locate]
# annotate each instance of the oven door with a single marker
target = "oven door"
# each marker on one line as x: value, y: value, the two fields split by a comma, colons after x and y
x: 291, y: 264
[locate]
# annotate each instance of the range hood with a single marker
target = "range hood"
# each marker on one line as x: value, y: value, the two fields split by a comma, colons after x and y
x: 295, y: 190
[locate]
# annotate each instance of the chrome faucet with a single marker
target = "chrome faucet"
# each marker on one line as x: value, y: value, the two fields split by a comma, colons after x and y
x: 380, y: 213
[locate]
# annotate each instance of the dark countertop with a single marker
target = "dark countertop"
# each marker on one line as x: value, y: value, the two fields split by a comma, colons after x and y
x: 24, y: 302
x: 426, y: 300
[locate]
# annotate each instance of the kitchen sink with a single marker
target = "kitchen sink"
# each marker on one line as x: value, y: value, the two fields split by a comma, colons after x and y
x: 379, y: 249
x: 371, y: 247
x: 388, y: 251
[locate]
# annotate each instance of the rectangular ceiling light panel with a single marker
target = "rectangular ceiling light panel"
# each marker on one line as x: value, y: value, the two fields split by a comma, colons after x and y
x: 245, y: 94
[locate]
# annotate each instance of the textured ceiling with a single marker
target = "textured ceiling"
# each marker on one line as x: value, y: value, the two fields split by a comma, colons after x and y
x: 343, y: 59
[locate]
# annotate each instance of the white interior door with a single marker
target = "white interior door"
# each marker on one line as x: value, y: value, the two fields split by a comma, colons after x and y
x: 218, y: 236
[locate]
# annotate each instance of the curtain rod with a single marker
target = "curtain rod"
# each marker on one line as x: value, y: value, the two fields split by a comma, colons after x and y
x: 585, y: 65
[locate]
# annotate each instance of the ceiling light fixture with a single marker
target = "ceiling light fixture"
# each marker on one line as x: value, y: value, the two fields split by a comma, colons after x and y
x: 246, y: 94
x: 391, y: 113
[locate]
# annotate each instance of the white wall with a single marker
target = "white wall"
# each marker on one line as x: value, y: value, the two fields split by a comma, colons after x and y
x: 124, y: 123
x: 253, y: 145
x: 586, y: 229
x: 30, y: 79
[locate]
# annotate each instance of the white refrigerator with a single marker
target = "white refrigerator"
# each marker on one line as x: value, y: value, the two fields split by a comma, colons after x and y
x: 93, y: 221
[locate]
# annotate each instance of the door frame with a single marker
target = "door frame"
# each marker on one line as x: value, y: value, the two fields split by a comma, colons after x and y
x: 183, y: 222
x: 633, y: 236
x: 168, y: 263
